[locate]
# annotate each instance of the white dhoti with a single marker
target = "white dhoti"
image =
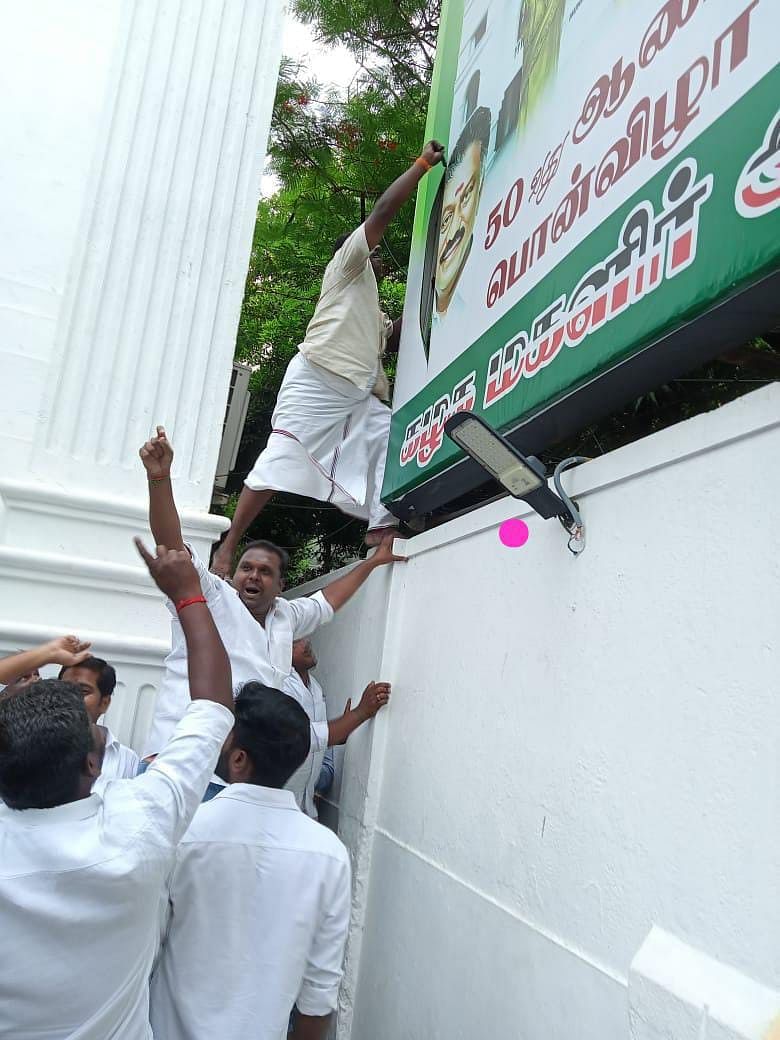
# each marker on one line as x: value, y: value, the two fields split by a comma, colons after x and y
x: 328, y: 441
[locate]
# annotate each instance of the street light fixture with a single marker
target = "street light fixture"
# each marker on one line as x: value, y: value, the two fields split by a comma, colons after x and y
x: 524, y: 477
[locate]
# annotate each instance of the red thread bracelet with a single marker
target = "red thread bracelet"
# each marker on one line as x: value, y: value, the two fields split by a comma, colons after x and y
x: 188, y: 602
x: 421, y: 161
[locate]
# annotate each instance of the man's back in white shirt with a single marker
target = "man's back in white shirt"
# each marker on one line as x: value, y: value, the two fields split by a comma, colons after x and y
x: 259, y: 912
x: 80, y: 888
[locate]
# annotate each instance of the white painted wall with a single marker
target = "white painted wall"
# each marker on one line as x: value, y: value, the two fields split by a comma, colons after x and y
x: 134, y: 137
x: 577, y: 751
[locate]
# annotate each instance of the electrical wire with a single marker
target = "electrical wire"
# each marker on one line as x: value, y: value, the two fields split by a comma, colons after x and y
x: 575, y: 529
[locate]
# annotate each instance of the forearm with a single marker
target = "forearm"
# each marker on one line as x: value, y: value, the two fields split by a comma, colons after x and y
x: 163, y: 517
x: 208, y: 666
x: 339, y: 729
x: 22, y: 664
x: 309, y: 1027
x: 341, y: 590
x: 391, y: 201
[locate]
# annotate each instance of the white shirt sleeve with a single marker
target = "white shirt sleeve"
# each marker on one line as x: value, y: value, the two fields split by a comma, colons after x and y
x: 130, y: 763
x: 174, y: 784
x: 308, y: 613
x: 319, y: 736
x: 319, y: 990
x: 352, y: 256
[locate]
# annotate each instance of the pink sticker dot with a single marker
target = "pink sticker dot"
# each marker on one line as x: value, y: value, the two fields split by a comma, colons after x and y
x: 513, y: 533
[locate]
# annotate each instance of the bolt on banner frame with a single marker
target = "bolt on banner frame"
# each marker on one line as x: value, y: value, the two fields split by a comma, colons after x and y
x: 609, y: 218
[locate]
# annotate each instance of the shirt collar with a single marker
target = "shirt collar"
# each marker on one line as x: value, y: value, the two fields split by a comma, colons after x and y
x: 71, y: 812
x: 111, y: 740
x: 271, y: 797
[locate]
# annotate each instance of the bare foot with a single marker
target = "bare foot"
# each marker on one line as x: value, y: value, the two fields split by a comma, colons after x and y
x: 380, y: 534
x: 222, y: 564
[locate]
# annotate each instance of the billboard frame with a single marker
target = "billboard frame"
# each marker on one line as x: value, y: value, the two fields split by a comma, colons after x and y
x: 728, y: 323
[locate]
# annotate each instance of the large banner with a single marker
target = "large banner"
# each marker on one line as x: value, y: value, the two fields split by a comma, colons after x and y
x: 613, y: 169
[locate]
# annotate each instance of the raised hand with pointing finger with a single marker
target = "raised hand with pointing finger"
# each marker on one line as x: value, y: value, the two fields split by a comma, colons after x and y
x: 157, y: 456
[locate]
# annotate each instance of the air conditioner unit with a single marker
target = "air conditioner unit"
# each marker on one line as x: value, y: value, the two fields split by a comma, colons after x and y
x: 233, y: 427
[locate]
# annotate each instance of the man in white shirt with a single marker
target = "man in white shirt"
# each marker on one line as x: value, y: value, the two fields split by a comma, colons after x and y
x: 96, y: 679
x: 256, y: 624
x: 81, y: 873
x: 259, y: 899
x: 303, y: 687
x: 329, y: 428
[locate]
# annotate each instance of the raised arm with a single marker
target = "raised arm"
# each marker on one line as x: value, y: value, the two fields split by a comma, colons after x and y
x: 67, y: 652
x: 208, y: 666
x: 390, y: 202
x: 343, y: 589
x: 157, y: 457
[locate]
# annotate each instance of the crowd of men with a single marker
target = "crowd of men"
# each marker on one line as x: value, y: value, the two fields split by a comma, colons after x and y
x: 190, y: 893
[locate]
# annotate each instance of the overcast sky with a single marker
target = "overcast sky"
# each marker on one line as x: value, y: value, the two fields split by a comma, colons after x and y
x: 330, y: 65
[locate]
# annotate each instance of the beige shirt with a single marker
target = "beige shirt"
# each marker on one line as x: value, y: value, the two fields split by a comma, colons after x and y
x: 348, y: 332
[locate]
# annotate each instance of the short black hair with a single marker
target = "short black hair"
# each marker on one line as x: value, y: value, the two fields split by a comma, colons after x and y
x: 45, y: 736
x: 274, y: 730
x: 340, y: 242
x: 271, y: 547
x: 106, y: 675
x: 476, y: 129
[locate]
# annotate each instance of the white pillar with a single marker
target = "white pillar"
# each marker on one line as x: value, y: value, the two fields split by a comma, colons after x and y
x: 130, y: 176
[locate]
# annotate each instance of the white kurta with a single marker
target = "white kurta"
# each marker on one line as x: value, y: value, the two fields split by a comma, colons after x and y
x: 328, y: 442
x: 261, y: 652
x: 259, y: 913
x: 119, y: 762
x: 303, y: 782
x: 80, y: 891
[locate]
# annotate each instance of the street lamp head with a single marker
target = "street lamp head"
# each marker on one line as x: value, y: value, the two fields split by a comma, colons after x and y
x: 522, y: 476
x: 513, y: 471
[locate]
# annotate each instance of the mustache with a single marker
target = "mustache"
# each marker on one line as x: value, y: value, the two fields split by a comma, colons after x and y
x: 451, y: 244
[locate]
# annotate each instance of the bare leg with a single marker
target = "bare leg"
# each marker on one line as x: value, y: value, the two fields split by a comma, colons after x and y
x: 381, y: 523
x: 250, y: 505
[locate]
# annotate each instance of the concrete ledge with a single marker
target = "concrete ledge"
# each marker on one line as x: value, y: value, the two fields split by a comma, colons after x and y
x: 48, y: 567
x: 40, y: 498
x: 121, y: 648
x: 678, y: 993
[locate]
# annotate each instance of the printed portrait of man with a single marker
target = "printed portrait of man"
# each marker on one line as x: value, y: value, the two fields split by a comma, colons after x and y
x: 460, y: 201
